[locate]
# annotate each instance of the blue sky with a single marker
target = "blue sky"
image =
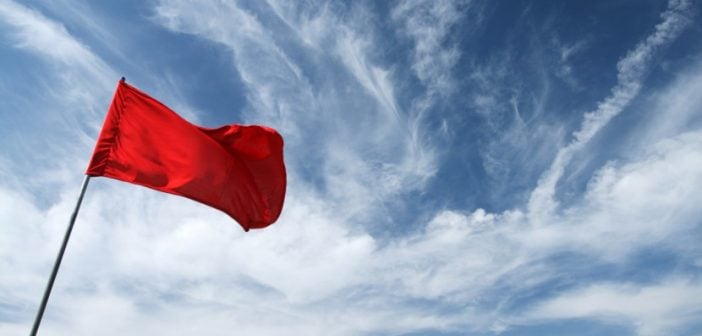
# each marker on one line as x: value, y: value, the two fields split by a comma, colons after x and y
x: 455, y: 168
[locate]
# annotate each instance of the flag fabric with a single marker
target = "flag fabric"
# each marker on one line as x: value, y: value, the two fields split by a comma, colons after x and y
x: 234, y: 168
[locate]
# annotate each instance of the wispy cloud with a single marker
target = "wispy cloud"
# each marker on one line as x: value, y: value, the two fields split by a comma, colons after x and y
x: 631, y: 72
x: 429, y: 24
x: 34, y: 32
x: 145, y: 263
x: 652, y: 309
x: 565, y: 67
x: 368, y: 150
x: 67, y: 100
x: 461, y: 257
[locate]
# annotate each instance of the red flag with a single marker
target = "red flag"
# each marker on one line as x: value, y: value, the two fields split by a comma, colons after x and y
x: 236, y: 169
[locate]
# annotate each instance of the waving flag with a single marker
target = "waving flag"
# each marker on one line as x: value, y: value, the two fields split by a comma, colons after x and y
x: 235, y: 168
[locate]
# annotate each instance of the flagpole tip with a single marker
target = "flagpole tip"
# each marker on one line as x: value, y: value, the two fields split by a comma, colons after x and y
x: 122, y: 80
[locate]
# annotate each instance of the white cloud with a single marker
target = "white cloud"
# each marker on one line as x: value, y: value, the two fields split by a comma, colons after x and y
x: 145, y: 263
x: 632, y: 70
x: 565, y: 66
x: 64, y: 104
x: 647, y: 203
x: 655, y: 309
x: 34, y: 32
x: 429, y: 24
x: 680, y: 103
x: 80, y: 78
x: 351, y: 50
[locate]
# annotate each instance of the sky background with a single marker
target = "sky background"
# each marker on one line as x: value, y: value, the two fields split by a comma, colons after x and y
x: 454, y: 168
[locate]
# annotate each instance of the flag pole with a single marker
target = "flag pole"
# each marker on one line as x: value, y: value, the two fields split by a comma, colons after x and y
x: 59, y: 257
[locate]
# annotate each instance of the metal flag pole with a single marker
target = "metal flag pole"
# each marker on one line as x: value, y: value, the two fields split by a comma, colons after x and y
x: 59, y: 257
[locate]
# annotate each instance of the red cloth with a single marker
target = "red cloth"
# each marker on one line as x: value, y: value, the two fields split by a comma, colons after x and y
x: 236, y: 169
